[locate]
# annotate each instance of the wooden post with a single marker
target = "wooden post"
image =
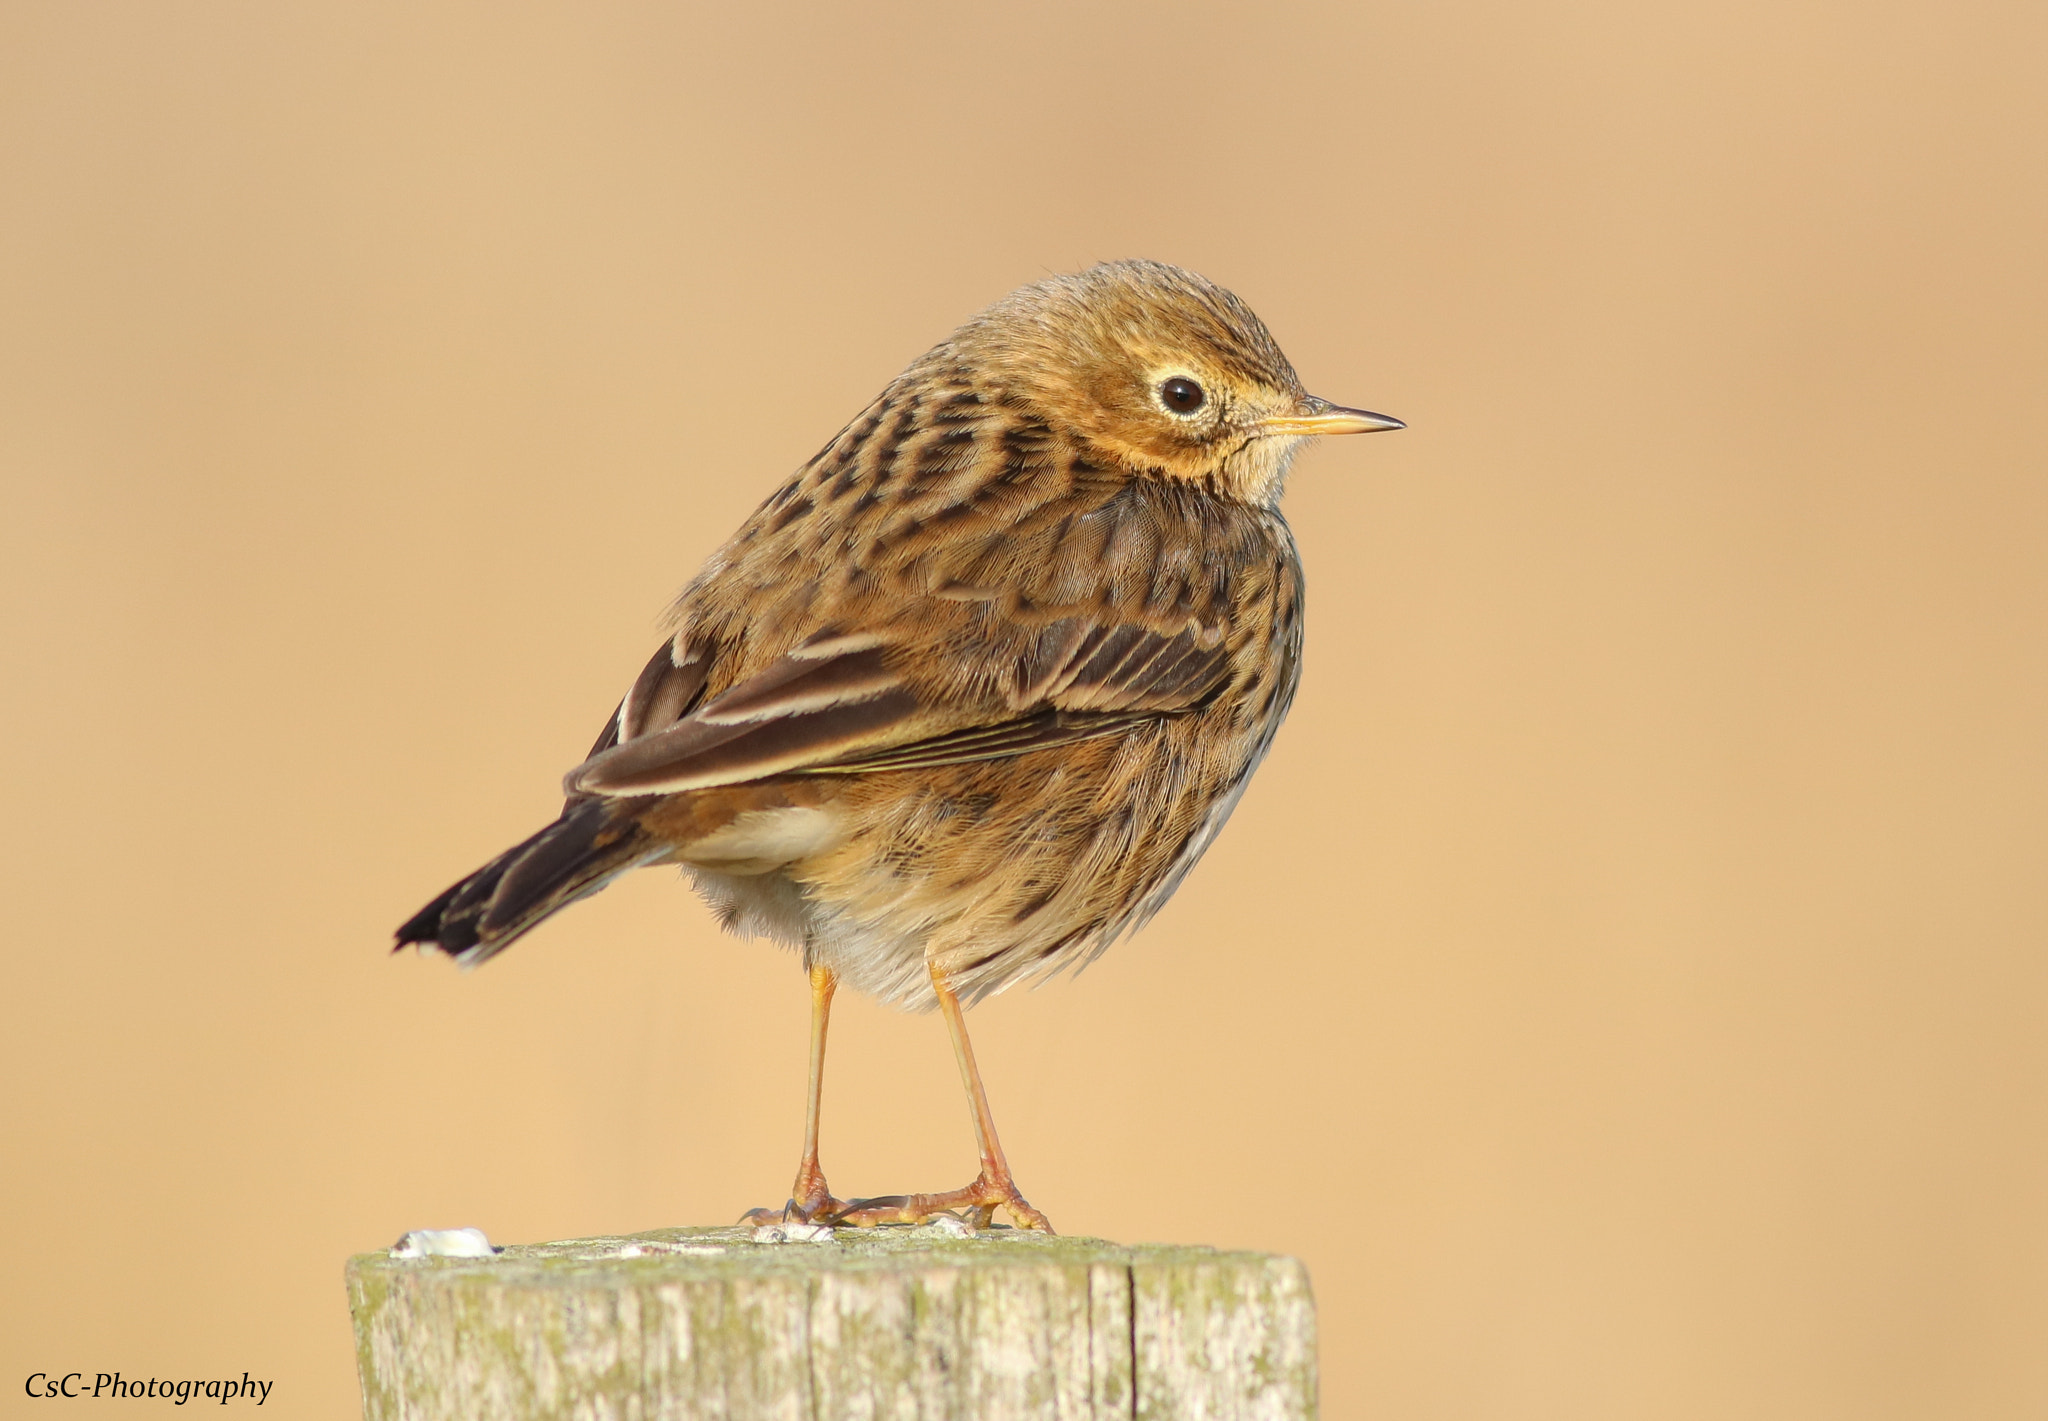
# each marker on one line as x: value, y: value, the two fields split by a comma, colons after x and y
x: 710, y: 1322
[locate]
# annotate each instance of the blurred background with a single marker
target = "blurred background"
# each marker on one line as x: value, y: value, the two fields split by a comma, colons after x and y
x: 1624, y: 985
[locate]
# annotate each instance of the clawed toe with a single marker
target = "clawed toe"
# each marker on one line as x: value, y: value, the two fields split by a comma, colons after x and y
x: 812, y: 1203
x: 794, y: 1213
x: 974, y: 1205
x: 789, y: 1213
x: 882, y: 1209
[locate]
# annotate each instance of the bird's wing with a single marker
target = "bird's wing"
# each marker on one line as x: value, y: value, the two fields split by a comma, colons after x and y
x: 852, y: 703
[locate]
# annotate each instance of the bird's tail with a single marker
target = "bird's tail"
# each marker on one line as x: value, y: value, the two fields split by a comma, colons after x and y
x: 593, y: 842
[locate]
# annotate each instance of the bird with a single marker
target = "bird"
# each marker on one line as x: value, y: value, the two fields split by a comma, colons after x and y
x: 963, y: 701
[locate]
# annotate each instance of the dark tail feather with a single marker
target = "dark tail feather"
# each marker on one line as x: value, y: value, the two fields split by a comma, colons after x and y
x: 572, y: 858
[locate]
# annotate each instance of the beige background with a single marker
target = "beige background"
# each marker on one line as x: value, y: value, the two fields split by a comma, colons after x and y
x: 1625, y: 983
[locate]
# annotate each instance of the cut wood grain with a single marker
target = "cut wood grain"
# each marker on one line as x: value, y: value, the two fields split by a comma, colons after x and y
x: 708, y: 1322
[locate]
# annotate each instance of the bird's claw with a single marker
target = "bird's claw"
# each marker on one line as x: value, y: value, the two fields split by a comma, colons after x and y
x: 976, y: 1205
x: 810, y: 1202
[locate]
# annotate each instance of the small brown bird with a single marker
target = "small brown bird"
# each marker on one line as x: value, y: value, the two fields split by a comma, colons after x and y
x: 963, y: 701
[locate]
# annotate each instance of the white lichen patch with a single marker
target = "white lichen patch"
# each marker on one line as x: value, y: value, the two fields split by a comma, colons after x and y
x: 794, y: 1233
x: 701, y: 1250
x: 945, y: 1226
x: 444, y: 1243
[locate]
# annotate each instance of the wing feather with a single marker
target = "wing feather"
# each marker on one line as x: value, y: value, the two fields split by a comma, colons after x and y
x: 994, y: 742
x: 697, y: 754
x: 669, y: 685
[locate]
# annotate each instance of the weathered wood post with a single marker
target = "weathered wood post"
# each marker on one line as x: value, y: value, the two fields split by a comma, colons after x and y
x: 924, y: 1322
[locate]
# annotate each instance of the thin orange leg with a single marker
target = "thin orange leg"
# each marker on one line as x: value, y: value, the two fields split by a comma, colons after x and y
x: 809, y: 1197
x: 993, y: 1188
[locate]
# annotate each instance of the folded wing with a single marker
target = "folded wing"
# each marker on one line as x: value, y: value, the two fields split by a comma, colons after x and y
x: 856, y: 704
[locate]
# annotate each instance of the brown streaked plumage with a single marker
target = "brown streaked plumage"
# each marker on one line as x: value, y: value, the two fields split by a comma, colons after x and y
x: 963, y: 701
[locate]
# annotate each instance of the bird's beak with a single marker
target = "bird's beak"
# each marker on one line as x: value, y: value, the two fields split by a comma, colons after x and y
x: 1322, y: 417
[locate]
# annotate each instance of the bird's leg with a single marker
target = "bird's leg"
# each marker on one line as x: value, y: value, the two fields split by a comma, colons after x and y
x: 993, y: 1188
x: 809, y: 1198
x: 810, y: 1195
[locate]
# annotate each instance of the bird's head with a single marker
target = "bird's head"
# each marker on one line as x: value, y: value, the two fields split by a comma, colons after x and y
x: 1159, y: 371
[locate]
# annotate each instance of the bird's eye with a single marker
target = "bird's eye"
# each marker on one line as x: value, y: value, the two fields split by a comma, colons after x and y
x: 1181, y: 395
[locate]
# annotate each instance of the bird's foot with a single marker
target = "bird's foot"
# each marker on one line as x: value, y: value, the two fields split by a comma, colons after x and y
x: 977, y: 1202
x: 810, y: 1202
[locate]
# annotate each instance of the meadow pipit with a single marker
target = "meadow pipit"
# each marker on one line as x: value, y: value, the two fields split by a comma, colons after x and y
x: 963, y: 701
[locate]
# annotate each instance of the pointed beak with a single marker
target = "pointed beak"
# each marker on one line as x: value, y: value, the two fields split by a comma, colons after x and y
x: 1322, y: 417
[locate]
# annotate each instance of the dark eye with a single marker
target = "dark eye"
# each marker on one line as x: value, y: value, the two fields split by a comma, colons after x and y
x: 1181, y: 395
